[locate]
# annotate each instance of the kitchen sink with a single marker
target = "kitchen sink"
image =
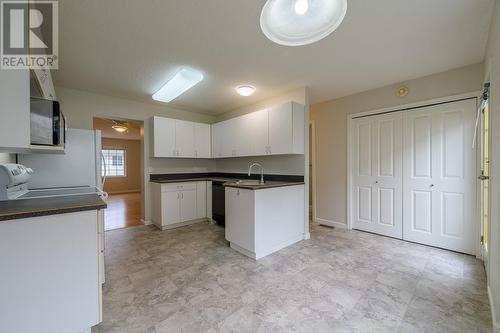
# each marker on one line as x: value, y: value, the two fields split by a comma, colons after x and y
x: 248, y: 182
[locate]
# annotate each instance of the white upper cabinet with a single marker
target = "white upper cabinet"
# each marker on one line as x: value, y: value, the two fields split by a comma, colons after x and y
x: 259, y: 132
x: 179, y: 138
x: 164, y: 137
x: 184, y: 138
x: 202, y: 141
x: 278, y: 130
x: 14, y: 110
x: 286, y: 129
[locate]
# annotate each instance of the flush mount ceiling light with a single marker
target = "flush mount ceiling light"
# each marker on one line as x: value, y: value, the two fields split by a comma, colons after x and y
x: 120, y: 126
x: 182, y: 81
x: 245, y: 90
x: 301, y: 22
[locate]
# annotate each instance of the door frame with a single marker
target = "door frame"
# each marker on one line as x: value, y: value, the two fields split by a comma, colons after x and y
x: 405, y: 107
x: 312, y: 162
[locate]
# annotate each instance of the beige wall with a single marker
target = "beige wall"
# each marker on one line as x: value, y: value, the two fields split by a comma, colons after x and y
x: 132, y: 181
x: 331, y: 130
x: 492, y: 74
x: 81, y: 107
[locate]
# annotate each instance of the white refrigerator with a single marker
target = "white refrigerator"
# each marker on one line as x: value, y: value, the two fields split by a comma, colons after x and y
x: 79, y: 166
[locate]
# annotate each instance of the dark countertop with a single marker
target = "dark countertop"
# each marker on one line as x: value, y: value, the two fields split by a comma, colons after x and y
x: 25, y: 208
x: 266, y: 185
x: 229, y: 179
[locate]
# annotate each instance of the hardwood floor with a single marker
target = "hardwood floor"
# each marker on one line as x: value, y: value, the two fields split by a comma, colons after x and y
x: 124, y: 210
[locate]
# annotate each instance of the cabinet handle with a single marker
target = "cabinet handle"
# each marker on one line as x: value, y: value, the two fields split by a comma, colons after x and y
x: 178, y: 196
x: 182, y: 195
x: 270, y: 151
x: 238, y: 192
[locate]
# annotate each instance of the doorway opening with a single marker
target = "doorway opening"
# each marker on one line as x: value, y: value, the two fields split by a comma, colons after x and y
x: 122, y: 163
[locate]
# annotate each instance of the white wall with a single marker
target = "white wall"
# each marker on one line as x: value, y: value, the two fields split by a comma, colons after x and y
x: 81, y: 107
x: 493, y: 74
x: 331, y: 130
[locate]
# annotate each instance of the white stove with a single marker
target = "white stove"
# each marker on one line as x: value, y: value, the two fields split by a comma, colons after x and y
x: 14, y: 180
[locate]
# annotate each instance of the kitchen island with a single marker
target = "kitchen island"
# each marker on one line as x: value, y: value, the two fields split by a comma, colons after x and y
x: 264, y: 218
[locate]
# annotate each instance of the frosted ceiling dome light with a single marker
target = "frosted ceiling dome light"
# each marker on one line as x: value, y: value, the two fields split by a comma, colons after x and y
x: 182, y: 81
x: 245, y: 90
x: 301, y: 22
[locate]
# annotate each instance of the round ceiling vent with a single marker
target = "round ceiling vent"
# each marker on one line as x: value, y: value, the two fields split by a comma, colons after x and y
x: 301, y: 22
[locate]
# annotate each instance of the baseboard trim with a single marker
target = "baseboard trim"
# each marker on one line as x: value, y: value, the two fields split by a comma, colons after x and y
x: 331, y: 223
x: 496, y: 324
x: 146, y: 222
x: 307, y: 236
x: 180, y: 225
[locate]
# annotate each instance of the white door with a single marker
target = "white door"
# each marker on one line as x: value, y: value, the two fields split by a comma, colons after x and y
x: 184, y: 138
x: 170, y: 208
x: 376, y: 191
x: 164, y: 137
x: 438, y: 171
x: 188, y: 205
x: 202, y: 140
x: 280, y: 129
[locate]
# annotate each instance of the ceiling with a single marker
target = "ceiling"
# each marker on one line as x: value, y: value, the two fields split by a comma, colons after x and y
x: 104, y: 125
x: 130, y: 48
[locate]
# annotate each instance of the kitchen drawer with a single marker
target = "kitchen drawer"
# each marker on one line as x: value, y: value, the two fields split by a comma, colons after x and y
x: 173, y: 187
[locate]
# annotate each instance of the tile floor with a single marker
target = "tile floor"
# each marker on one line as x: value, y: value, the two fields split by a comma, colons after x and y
x: 188, y: 280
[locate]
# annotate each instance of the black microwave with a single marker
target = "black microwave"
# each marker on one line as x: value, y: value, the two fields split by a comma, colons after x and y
x: 47, y: 123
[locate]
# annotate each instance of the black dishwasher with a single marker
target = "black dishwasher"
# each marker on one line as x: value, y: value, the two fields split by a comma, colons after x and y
x: 218, y: 202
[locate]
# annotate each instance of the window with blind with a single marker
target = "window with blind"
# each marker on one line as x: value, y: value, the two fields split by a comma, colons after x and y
x: 113, y: 164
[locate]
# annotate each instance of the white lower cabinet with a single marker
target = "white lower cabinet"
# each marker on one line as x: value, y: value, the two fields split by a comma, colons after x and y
x: 264, y: 221
x: 178, y: 204
x: 50, y: 278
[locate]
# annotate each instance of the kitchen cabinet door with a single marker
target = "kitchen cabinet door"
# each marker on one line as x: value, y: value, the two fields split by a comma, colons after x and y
x: 164, y: 137
x: 280, y: 129
x: 202, y: 140
x: 240, y: 217
x: 188, y: 205
x: 216, y: 140
x: 228, y: 134
x: 184, y: 138
x: 170, y: 208
x: 240, y: 136
x: 201, y: 199
x: 258, y: 132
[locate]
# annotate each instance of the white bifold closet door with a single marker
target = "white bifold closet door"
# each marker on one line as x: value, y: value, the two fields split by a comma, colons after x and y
x: 438, y: 176
x: 413, y: 175
x: 377, y: 174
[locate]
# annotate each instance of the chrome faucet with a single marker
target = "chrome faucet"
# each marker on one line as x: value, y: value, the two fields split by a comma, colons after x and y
x: 261, y: 171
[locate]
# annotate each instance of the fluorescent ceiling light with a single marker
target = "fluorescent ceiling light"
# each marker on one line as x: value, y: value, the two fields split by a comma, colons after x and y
x: 182, y: 81
x: 301, y: 22
x: 245, y: 90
